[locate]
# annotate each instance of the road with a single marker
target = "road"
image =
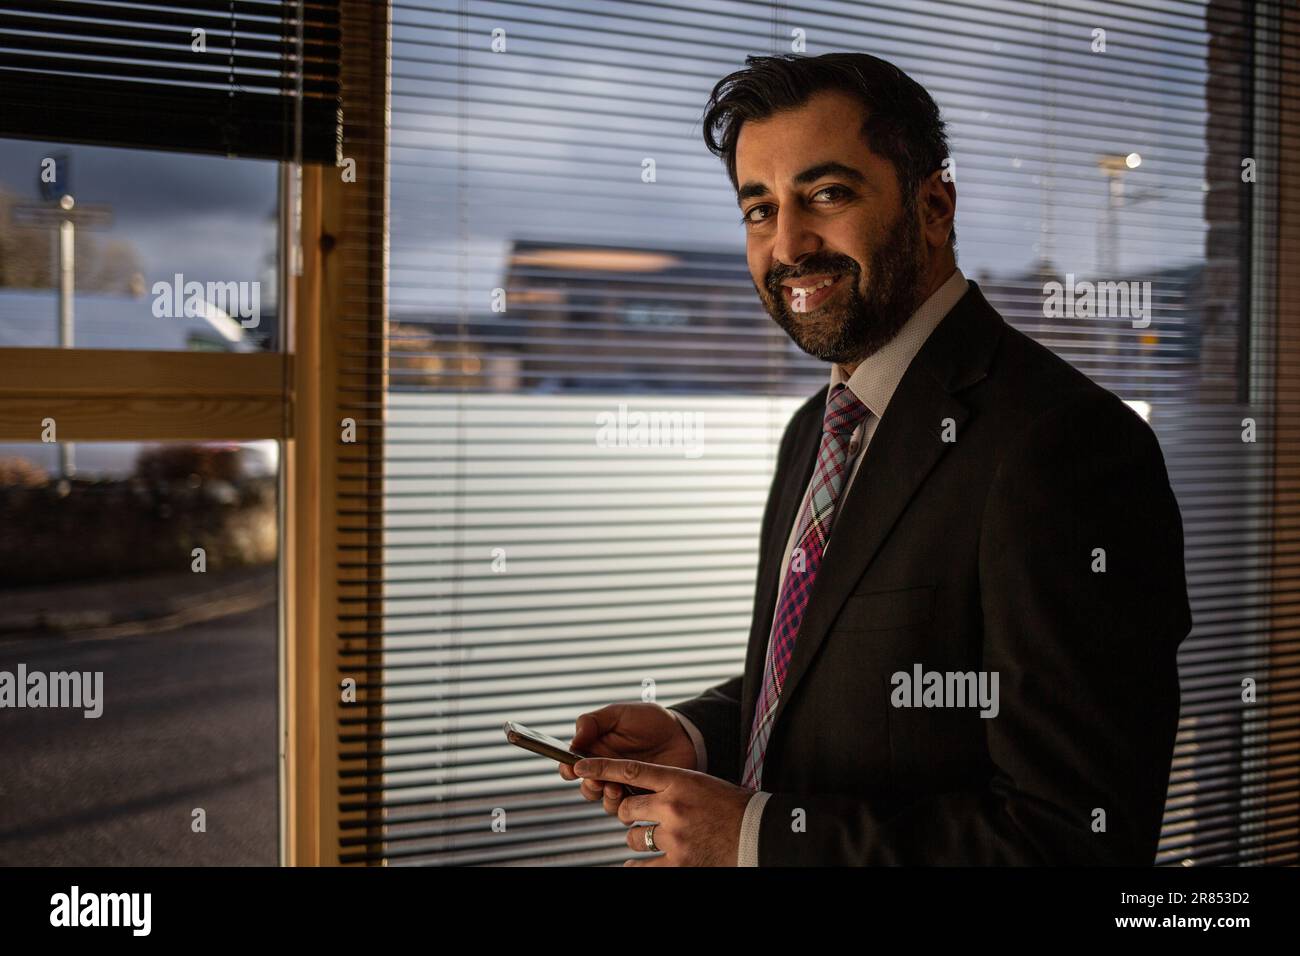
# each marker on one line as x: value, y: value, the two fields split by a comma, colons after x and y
x: 189, y: 722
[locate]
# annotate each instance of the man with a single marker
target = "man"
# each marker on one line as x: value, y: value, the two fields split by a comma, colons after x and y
x: 979, y: 666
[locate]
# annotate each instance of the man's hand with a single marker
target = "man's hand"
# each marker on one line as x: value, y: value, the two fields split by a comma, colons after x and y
x: 635, y: 731
x: 698, y: 817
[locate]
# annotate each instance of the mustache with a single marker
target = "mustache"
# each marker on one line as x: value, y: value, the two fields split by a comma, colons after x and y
x: 834, y: 267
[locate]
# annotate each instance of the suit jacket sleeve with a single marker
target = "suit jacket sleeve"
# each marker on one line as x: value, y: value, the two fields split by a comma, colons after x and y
x: 716, y: 714
x: 1088, y: 681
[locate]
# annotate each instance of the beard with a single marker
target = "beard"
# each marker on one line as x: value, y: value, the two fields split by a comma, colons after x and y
x: 854, y: 323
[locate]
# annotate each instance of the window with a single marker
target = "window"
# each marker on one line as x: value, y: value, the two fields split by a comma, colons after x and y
x: 145, y: 405
x: 531, y: 573
x: 167, y: 251
x: 147, y: 574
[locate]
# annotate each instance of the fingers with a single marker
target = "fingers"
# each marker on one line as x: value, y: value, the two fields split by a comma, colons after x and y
x: 636, y: 839
x: 590, y: 726
x: 632, y: 809
x: 644, y: 775
x: 584, y: 732
x: 612, y: 794
x: 592, y: 789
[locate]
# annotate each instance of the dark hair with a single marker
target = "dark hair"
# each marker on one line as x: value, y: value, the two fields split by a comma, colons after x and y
x: 903, y: 122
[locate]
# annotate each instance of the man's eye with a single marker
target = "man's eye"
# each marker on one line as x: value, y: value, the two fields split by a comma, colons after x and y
x: 748, y: 217
x: 839, y: 192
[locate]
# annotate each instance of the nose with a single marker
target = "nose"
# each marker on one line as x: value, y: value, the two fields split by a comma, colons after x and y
x: 795, y: 238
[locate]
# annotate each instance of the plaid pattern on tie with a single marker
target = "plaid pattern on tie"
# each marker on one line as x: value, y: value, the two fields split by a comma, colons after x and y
x: 843, y: 413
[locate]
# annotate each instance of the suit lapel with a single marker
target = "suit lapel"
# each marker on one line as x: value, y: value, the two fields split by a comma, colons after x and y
x: 907, y: 444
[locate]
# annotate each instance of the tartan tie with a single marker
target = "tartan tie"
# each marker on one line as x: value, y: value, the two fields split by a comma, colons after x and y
x: 843, y: 413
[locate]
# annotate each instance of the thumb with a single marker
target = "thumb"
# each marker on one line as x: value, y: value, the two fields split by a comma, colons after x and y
x: 590, y: 727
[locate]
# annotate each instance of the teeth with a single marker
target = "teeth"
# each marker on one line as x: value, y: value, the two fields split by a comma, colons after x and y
x: 809, y: 290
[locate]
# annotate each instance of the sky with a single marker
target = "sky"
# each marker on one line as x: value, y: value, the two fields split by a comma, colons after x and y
x: 547, y: 138
x: 207, y: 217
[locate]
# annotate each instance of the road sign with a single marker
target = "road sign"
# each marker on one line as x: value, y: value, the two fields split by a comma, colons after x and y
x: 85, y: 215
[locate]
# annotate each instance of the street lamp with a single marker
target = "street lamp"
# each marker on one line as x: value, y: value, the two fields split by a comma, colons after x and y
x: 1114, y: 166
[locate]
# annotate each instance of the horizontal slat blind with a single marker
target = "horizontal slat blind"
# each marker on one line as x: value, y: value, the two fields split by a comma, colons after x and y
x: 202, y: 76
x: 532, y: 571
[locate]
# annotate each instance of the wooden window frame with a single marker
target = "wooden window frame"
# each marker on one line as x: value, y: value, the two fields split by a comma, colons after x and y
x: 123, y: 395
x: 296, y: 397
x: 333, y: 505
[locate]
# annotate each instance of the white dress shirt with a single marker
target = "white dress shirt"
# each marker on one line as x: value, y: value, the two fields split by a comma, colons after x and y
x: 874, y: 383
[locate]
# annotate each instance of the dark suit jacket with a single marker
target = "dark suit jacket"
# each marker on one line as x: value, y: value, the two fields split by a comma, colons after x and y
x: 969, y: 555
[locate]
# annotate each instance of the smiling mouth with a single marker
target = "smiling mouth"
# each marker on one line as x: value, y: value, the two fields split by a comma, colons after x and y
x: 805, y: 299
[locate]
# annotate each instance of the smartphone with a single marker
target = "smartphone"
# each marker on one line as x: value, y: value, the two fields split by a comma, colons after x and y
x: 548, y: 746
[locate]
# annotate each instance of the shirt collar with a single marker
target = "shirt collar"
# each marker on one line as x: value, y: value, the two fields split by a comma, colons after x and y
x: 875, y: 380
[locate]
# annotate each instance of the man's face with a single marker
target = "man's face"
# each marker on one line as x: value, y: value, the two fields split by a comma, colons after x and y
x: 820, y: 205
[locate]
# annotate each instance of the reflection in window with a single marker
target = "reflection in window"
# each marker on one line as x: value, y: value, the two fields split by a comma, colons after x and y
x: 166, y: 251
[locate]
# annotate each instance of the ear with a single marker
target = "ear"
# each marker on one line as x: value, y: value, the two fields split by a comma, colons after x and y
x: 937, y: 202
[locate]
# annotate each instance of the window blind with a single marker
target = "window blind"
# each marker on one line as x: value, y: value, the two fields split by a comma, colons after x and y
x: 541, y: 283
x: 205, y: 76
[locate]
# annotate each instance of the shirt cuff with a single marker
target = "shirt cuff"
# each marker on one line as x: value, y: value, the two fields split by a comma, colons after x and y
x: 701, y: 756
x: 748, y: 852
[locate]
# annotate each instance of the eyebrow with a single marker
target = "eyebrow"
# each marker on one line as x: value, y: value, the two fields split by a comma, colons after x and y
x: 811, y: 174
